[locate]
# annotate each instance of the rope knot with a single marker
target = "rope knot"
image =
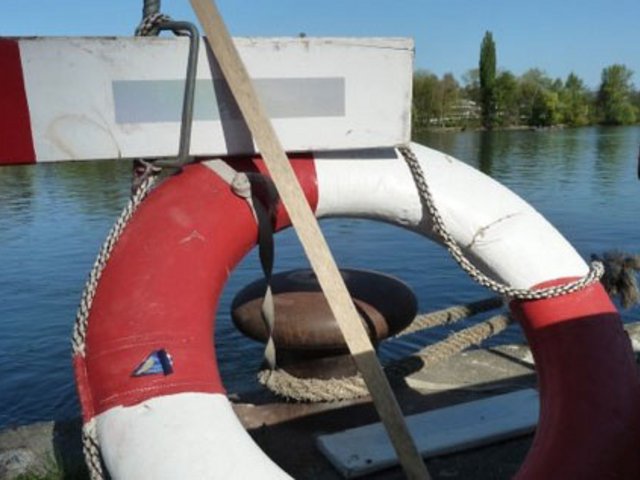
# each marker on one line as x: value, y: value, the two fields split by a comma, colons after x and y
x: 148, y: 27
x: 620, y: 271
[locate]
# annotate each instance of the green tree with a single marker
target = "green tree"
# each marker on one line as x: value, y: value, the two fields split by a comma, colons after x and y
x: 547, y: 109
x: 487, y: 68
x: 615, y: 105
x: 539, y: 100
x: 426, y: 99
x: 636, y: 103
x: 471, y: 82
x: 434, y: 100
x: 450, y: 93
x: 575, y: 102
x: 557, y: 85
x: 507, y: 99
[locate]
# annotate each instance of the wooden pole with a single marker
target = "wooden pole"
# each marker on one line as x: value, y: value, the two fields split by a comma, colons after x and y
x: 310, y: 235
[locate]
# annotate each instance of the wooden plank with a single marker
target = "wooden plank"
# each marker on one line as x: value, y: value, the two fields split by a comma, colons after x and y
x: 310, y: 235
x: 364, y: 450
x: 96, y: 98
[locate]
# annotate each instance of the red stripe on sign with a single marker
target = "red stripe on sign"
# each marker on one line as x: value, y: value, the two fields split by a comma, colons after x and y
x: 16, y: 141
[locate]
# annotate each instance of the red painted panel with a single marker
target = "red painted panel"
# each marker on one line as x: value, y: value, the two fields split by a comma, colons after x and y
x: 161, y: 287
x: 16, y: 141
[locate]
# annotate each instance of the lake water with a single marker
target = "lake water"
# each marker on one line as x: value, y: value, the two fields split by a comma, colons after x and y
x: 53, y: 219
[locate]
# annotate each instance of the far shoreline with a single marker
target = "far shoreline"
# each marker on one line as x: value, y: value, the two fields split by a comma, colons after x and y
x: 511, y: 128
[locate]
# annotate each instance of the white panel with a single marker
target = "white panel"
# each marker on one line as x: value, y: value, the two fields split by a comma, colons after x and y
x: 500, y: 232
x: 187, y: 435
x: 70, y: 84
x: 363, y: 450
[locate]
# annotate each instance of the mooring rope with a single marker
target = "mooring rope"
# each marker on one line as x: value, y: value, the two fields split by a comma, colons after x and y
x: 450, y: 315
x: 314, y: 390
x: 455, y: 343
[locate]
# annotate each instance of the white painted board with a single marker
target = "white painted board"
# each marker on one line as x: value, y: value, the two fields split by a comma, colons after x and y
x: 364, y: 450
x: 96, y: 98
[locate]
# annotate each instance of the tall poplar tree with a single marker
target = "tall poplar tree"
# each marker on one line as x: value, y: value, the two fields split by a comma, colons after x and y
x: 488, y: 94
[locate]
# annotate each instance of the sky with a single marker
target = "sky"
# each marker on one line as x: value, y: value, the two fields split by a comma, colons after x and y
x: 556, y: 36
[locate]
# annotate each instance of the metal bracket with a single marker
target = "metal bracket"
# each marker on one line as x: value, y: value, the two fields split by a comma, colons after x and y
x: 190, y: 30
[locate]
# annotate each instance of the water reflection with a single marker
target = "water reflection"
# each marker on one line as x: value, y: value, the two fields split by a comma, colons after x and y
x: 486, y: 153
x: 444, y: 141
x: 572, y: 149
x: 94, y: 189
x: 16, y: 194
x: 53, y: 218
x: 97, y: 188
x: 610, y: 157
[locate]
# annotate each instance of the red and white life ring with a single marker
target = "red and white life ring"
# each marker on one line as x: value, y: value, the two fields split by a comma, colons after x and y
x: 161, y: 286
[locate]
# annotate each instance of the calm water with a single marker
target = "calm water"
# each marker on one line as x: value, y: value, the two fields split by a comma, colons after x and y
x: 53, y: 219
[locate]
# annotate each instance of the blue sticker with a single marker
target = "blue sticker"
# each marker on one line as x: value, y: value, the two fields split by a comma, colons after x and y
x: 158, y: 362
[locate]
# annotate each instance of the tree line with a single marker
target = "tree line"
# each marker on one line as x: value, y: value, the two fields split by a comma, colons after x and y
x: 489, y: 97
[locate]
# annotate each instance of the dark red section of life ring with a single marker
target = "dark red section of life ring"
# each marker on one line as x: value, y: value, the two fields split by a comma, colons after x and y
x: 161, y: 287
x: 589, y: 426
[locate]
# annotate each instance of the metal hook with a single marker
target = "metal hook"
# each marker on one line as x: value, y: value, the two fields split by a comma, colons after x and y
x: 182, y: 28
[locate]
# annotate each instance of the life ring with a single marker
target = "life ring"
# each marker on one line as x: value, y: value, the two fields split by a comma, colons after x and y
x: 160, y: 288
